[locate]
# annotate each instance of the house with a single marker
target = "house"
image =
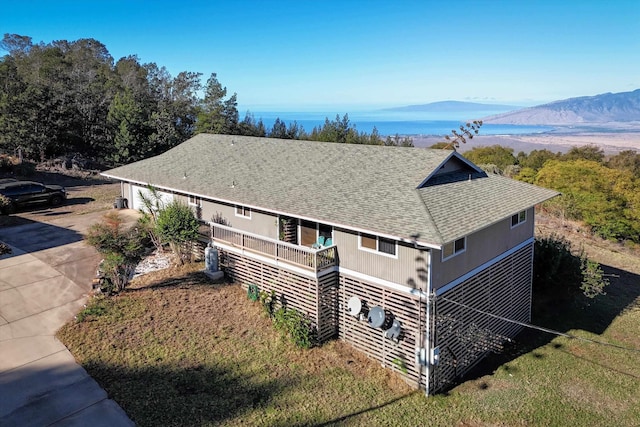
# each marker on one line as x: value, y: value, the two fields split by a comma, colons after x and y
x: 414, y: 256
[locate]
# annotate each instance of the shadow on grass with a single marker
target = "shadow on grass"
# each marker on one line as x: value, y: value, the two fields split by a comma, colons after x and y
x: 592, y: 315
x: 186, y: 396
x: 567, y: 314
x: 161, y: 280
x: 364, y: 411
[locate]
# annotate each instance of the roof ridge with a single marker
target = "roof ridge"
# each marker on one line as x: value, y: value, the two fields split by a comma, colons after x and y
x: 429, y: 216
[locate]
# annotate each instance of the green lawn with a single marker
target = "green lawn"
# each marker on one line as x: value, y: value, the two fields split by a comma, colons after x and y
x: 180, y: 351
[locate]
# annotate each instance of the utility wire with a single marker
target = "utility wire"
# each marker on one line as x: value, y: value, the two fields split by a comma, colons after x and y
x: 540, y: 328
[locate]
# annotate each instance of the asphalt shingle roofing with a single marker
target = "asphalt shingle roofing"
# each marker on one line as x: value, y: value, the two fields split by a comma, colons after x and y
x: 361, y: 187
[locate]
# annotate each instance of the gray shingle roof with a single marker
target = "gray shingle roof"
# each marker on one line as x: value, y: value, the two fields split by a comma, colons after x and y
x: 362, y: 187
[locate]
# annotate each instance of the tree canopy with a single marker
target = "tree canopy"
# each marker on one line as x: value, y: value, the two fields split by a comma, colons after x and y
x: 69, y: 97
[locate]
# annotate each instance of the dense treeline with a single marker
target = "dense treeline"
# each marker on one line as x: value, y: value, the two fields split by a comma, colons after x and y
x: 602, y: 192
x: 72, y: 97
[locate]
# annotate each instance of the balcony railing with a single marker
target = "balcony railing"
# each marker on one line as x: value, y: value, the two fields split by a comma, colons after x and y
x: 301, y: 256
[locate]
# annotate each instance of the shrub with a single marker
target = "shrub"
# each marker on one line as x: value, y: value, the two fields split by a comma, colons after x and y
x: 122, y: 248
x: 298, y: 327
x: 557, y: 270
x: 288, y: 321
x: 268, y: 301
x: 177, y: 225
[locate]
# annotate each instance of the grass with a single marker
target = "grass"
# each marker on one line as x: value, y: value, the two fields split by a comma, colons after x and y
x: 177, y: 350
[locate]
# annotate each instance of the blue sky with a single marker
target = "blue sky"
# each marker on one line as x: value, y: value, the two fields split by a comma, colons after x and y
x: 349, y: 55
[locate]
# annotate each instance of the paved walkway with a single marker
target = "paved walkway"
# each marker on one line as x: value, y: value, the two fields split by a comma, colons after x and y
x: 43, y: 284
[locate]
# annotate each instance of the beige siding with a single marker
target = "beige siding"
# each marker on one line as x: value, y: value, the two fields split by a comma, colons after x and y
x: 408, y: 268
x: 481, y: 247
x: 261, y: 223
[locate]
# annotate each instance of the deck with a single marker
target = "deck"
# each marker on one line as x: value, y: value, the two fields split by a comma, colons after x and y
x: 315, y: 260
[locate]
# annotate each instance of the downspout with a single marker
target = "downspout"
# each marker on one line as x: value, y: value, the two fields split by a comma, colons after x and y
x: 427, y: 328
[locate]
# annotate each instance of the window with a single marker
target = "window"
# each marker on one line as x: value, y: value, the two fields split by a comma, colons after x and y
x: 369, y: 242
x: 243, y: 211
x: 194, y: 201
x: 518, y: 218
x: 454, y: 248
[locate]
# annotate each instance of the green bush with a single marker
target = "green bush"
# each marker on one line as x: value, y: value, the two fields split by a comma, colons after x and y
x: 122, y: 248
x: 288, y: 321
x: 298, y: 327
x: 177, y: 225
x: 558, y: 272
x: 268, y: 301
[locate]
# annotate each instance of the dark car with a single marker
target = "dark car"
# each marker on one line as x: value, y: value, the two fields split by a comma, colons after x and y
x: 27, y: 193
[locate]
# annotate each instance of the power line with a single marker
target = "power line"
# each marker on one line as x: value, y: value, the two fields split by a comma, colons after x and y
x: 541, y: 328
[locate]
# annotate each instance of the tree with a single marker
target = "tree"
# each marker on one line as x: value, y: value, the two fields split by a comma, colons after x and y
x: 561, y: 273
x: 587, y: 152
x: 398, y: 141
x: 605, y: 199
x: 493, y: 155
x: 249, y: 127
x: 536, y: 159
x: 178, y: 226
x: 217, y: 115
x: 131, y: 133
x: 628, y: 160
x: 278, y: 130
x: 468, y: 130
x: 442, y: 146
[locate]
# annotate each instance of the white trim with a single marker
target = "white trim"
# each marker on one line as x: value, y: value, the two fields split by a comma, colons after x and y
x: 437, y: 168
x: 278, y: 212
x: 487, y: 264
x: 270, y: 261
x: 385, y: 283
x: 454, y: 249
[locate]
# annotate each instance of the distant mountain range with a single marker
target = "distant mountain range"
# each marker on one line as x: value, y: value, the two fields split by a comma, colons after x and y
x: 622, y: 107
x: 453, y: 106
x: 608, y: 108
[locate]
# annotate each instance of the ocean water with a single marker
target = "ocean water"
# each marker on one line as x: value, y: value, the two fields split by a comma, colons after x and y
x: 413, y: 123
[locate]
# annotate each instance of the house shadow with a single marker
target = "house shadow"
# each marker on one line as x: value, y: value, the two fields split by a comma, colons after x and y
x: 564, y: 315
x: 172, y: 394
x: 28, y: 236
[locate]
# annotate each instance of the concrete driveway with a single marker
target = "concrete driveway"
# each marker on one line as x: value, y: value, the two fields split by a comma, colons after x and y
x: 43, y: 284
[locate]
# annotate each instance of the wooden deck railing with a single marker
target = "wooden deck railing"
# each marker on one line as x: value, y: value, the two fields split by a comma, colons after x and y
x: 301, y: 256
